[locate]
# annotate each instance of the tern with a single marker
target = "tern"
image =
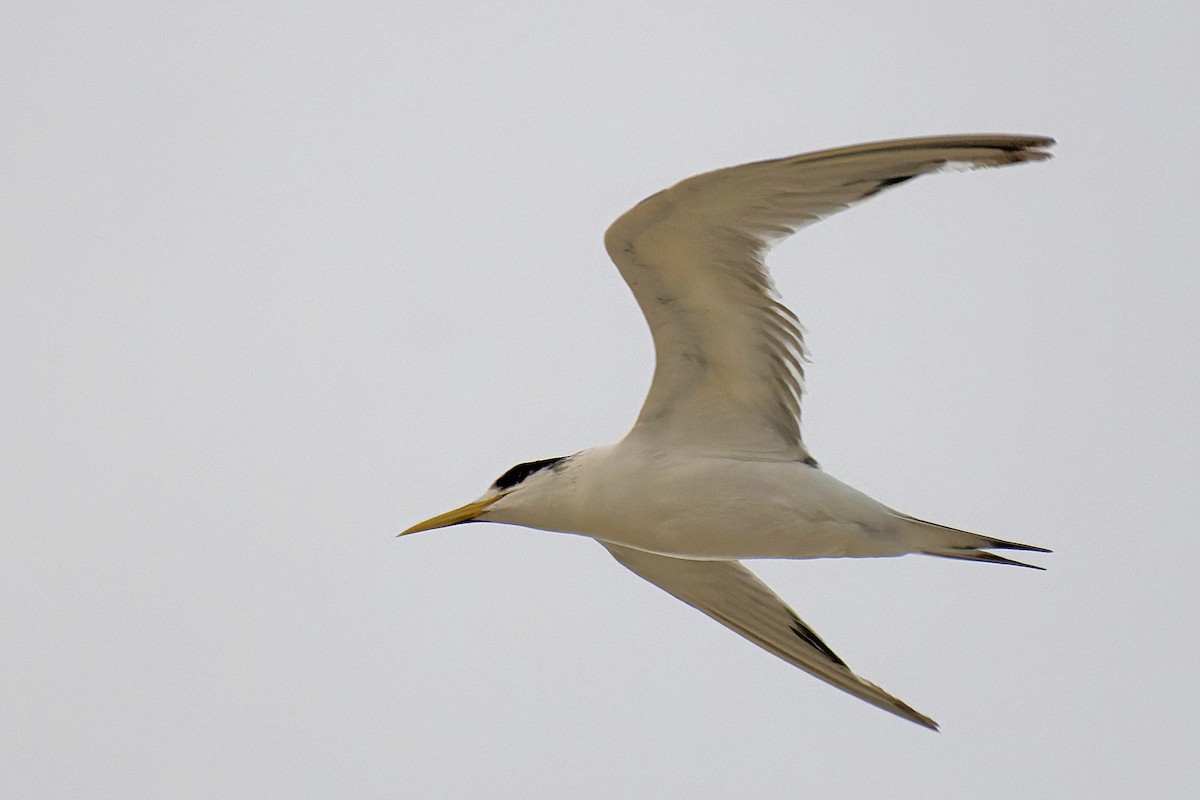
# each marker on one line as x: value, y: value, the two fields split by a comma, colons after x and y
x: 714, y: 469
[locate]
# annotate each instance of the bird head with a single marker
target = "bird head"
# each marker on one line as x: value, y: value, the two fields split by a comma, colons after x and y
x: 510, y: 483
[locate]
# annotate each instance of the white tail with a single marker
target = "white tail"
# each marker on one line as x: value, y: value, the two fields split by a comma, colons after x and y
x: 947, y: 542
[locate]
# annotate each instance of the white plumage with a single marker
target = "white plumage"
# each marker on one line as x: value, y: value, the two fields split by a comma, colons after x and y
x: 715, y: 469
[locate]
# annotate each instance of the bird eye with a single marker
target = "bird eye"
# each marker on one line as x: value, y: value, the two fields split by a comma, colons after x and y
x: 522, y: 471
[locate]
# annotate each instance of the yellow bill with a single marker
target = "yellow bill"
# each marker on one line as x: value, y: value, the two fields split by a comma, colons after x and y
x: 462, y: 514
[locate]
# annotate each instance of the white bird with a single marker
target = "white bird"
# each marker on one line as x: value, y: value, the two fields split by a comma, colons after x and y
x: 714, y: 470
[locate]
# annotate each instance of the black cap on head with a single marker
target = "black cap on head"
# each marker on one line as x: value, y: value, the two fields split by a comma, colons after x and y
x: 522, y: 471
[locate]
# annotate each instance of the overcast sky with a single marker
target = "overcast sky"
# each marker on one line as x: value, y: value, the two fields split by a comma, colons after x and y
x: 279, y: 279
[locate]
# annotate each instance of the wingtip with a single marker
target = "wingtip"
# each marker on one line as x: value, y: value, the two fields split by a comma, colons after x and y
x: 1032, y: 149
x: 889, y: 702
x: 1035, y: 140
x: 1034, y: 153
x: 982, y: 151
x: 902, y: 709
x: 922, y: 720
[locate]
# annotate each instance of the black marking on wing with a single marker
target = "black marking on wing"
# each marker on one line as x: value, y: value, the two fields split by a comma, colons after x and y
x: 806, y: 633
x: 522, y: 471
x: 886, y: 184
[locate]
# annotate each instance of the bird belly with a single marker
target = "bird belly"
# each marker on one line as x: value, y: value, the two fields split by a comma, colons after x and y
x: 717, y: 508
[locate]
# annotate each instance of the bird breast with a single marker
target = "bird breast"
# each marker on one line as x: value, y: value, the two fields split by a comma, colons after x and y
x: 689, y: 505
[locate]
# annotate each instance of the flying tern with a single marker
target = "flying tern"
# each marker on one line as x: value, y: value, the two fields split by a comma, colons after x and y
x: 714, y: 469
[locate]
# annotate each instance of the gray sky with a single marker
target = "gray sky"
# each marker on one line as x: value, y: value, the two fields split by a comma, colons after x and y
x: 278, y: 280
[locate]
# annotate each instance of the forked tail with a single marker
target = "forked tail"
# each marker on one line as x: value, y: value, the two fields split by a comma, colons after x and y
x: 940, y: 540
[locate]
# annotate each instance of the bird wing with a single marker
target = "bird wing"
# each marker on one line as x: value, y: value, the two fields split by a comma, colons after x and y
x: 728, y: 373
x: 736, y: 598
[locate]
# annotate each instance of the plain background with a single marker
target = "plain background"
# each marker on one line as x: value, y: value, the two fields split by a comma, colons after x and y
x: 278, y: 280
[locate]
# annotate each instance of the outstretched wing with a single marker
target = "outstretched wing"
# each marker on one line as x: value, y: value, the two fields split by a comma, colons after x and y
x: 728, y: 375
x: 736, y: 598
